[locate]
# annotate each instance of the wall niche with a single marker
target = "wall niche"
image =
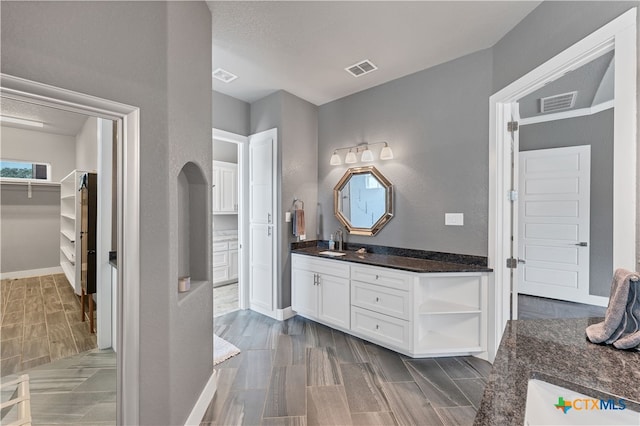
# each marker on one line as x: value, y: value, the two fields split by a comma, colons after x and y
x: 193, y: 227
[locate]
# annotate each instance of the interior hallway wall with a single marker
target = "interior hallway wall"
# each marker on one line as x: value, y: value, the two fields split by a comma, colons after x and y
x: 156, y: 56
x: 87, y: 146
x: 230, y: 114
x: 436, y: 122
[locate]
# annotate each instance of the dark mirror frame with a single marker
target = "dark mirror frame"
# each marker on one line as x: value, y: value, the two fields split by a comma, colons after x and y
x: 386, y: 217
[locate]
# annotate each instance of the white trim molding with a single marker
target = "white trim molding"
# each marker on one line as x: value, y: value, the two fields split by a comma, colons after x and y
x: 205, y: 398
x: 285, y: 314
x: 31, y: 273
x: 128, y: 249
x: 619, y: 34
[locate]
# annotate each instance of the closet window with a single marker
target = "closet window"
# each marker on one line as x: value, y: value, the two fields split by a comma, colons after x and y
x: 24, y: 170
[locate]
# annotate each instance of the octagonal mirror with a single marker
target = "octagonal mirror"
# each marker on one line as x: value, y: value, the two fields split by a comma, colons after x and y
x: 363, y: 200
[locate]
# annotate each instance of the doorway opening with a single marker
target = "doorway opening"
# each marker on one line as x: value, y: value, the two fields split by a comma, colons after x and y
x: 127, y: 221
x: 618, y: 36
x: 228, y: 215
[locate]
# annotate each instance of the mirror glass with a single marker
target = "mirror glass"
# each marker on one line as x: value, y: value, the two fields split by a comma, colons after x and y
x: 363, y: 200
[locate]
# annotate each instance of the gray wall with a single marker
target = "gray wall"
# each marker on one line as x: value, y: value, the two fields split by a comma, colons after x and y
x: 87, y: 146
x: 156, y: 56
x: 30, y: 237
x: 597, y: 131
x: 297, y: 124
x: 230, y: 114
x: 436, y: 122
x: 545, y: 32
x: 30, y: 145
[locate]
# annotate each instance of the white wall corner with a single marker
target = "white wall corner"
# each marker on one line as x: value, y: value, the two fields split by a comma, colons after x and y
x: 197, y: 413
x: 285, y: 314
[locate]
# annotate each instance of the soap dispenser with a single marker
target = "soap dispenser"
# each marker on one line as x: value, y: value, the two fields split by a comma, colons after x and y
x: 332, y: 244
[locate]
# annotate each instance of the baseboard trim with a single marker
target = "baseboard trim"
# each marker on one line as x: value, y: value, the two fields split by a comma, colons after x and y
x: 197, y: 413
x: 31, y: 273
x: 284, y: 314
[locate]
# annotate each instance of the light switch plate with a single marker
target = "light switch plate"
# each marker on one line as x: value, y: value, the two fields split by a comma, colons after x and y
x: 454, y: 219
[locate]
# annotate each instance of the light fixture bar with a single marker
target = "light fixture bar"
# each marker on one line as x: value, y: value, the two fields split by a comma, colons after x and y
x: 22, y: 121
x: 367, y: 154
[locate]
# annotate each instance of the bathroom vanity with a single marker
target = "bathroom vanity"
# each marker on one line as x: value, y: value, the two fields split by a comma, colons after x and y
x: 421, y: 304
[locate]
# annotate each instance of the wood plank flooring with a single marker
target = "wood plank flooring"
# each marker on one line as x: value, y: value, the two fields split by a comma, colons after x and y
x: 41, y: 321
x: 298, y: 372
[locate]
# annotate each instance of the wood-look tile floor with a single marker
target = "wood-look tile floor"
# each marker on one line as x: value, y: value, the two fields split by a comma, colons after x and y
x: 41, y: 321
x: 298, y: 372
x: 77, y: 390
x: 225, y: 299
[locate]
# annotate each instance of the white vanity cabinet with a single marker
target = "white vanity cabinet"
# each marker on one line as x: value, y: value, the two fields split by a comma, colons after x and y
x: 320, y: 290
x: 417, y: 314
x: 225, y: 260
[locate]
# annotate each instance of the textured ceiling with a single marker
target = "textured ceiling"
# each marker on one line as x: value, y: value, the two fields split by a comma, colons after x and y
x: 55, y: 121
x: 304, y: 46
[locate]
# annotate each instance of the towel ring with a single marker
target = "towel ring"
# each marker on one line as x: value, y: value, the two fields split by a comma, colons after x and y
x: 295, y: 202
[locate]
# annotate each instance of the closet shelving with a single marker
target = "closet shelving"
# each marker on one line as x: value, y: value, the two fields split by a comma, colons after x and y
x: 70, y: 228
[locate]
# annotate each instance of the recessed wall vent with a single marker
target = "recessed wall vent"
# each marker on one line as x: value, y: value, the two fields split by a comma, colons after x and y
x: 361, y: 68
x: 224, y: 75
x: 558, y: 102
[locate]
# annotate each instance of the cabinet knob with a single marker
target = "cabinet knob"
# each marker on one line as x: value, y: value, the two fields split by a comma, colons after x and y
x: 377, y: 299
x: 377, y: 326
x: 377, y: 276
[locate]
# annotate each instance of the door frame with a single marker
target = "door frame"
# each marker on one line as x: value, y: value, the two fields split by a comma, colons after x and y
x: 619, y: 34
x: 128, y: 214
x: 243, y: 231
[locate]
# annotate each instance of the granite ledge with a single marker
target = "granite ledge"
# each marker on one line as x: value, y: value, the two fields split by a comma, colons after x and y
x: 556, y: 351
x: 412, y: 260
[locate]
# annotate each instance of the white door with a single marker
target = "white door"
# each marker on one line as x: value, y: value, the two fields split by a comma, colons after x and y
x: 553, y: 222
x: 304, y: 292
x: 333, y: 300
x: 262, y: 225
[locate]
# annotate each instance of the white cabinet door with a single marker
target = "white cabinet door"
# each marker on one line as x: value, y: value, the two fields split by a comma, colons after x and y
x: 261, y: 176
x: 304, y: 292
x: 333, y: 300
x: 225, y: 187
x: 261, y: 267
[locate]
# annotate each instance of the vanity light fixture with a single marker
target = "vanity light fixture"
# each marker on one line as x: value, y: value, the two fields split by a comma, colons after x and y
x: 351, y: 157
x: 367, y: 155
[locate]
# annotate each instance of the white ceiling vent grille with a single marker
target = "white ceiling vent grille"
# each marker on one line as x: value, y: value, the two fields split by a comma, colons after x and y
x: 558, y: 102
x: 224, y: 75
x: 361, y: 68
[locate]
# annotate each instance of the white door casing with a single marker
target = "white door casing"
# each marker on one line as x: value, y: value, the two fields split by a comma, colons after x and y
x: 263, y: 227
x: 553, y: 222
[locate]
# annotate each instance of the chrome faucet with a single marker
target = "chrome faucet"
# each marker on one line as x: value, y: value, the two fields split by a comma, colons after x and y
x: 340, y: 238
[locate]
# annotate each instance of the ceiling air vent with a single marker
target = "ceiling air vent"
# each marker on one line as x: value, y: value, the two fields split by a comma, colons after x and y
x: 558, y: 102
x: 361, y: 68
x: 224, y: 75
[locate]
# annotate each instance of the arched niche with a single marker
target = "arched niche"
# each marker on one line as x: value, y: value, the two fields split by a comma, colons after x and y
x: 193, y: 226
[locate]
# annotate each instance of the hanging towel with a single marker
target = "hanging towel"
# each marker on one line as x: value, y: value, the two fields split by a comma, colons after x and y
x: 621, y: 325
x: 298, y: 224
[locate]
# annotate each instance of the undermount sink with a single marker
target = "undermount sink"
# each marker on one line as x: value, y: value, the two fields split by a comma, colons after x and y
x: 333, y: 253
x: 549, y: 404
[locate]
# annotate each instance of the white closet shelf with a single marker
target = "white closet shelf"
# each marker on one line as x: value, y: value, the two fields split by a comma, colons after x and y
x: 28, y: 182
x: 68, y: 216
x: 68, y: 254
x: 69, y: 235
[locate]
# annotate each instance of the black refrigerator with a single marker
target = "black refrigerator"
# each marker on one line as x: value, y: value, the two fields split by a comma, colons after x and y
x: 88, y: 230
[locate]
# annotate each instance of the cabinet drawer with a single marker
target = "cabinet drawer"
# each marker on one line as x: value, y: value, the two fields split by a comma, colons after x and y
x: 382, y: 276
x: 330, y: 267
x: 381, y: 299
x: 233, y: 245
x: 382, y: 328
x: 220, y: 274
x: 220, y: 246
x: 221, y: 259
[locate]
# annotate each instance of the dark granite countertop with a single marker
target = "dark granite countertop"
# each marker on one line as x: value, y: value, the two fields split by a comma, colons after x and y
x: 556, y: 351
x: 397, y: 258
